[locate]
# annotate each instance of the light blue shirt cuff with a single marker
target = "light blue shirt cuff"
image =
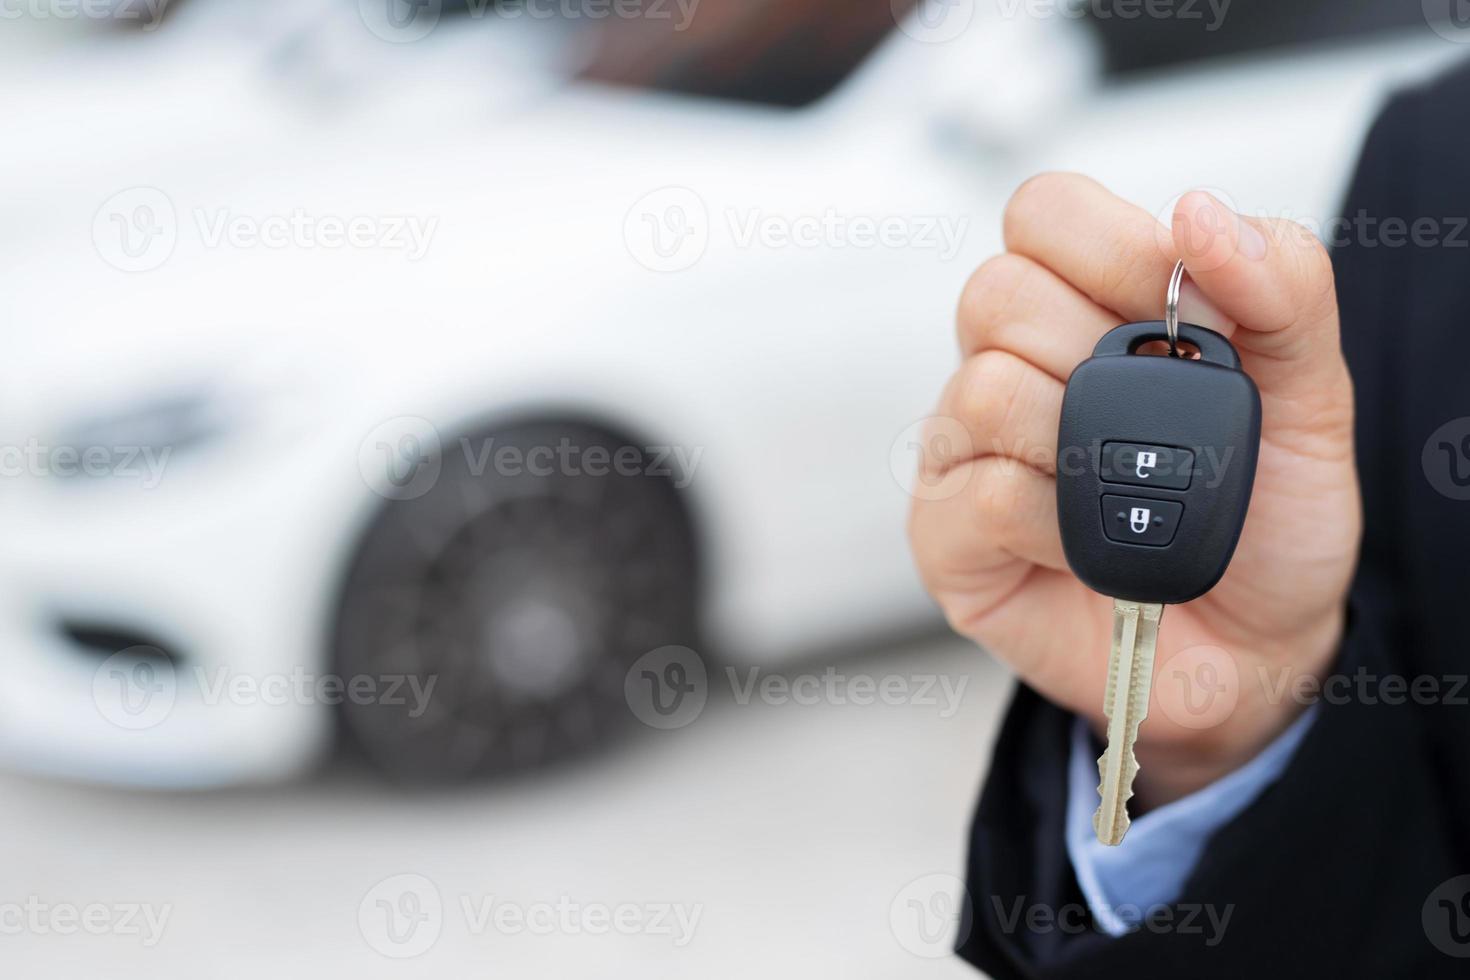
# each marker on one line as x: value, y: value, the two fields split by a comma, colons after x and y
x: 1122, y: 884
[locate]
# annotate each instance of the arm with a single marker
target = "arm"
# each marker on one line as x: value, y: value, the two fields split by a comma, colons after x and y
x: 1324, y: 874
x: 1326, y: 871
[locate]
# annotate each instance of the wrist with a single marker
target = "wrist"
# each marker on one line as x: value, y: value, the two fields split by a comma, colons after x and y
x: 1177, y: 760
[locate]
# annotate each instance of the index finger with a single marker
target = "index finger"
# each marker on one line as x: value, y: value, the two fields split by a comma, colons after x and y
x: 1111, y: 250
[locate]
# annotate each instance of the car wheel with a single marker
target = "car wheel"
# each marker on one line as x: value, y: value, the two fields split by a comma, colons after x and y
x: 489, y: 622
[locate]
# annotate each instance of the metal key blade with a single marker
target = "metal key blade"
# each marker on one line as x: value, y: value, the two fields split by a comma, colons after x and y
x: 1130, y: 675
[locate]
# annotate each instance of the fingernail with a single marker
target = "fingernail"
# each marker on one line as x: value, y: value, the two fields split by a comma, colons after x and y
x: 1208, y: 233
x: 1195, y: 308
x: 1249, y: 240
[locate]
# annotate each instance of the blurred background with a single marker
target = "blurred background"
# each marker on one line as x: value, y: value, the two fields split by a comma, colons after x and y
x: 455, y: 454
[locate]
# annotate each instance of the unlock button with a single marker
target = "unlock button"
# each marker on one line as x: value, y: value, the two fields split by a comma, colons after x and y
x: 1146, y: 466
x: 1138, y: 520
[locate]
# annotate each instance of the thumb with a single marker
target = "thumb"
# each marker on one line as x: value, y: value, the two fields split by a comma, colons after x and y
x: 1274, y: 280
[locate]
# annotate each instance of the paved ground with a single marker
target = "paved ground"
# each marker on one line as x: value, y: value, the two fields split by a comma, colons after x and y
x: 767, y: 839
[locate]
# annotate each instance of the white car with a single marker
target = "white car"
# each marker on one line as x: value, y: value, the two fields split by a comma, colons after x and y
x: 337, y: 381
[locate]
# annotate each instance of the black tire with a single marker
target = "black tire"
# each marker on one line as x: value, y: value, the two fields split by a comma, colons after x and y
x: 525, y: 596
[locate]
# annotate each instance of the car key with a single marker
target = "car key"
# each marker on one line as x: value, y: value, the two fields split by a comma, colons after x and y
x: 1156, y: 457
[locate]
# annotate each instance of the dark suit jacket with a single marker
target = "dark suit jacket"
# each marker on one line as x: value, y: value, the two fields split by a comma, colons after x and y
x: 1345, y: 866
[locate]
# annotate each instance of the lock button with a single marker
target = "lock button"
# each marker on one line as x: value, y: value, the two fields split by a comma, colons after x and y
x: 1139, y: 520
x: 1146, y: 466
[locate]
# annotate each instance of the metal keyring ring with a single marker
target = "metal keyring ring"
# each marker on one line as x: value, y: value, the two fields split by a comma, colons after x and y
x: 1171, y: 308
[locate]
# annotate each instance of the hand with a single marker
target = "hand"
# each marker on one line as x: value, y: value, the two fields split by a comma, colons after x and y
x: 1080, y: 261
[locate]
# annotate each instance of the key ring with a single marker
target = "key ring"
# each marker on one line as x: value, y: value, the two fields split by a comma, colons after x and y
x: 1171, y: 308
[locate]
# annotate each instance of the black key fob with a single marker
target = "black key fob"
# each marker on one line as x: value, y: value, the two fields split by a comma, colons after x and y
x: 1156, y: 458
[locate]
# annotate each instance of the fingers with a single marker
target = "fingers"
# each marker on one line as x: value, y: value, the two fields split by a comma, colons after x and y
x: 981, y: 540
x: 1014, y: 303
x: 1267, y: 285
x: 1080, y: 261
x: 1113, y: 252
x: 1047, y: 629
x: 1104, y: 246
x: 1083, y: 261
x: 974, y: 546
x: 1008, y: 408
x: 1273, y: 278
x: 1002, y: 512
